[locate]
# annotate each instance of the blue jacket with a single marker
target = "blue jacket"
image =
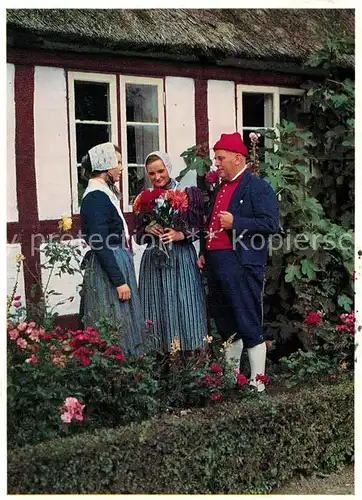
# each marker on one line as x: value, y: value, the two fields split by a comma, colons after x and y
x: 255, y: 210
x: 102, y: 228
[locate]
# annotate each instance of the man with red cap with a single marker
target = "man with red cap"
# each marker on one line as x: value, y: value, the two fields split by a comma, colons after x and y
x: 243, y: 213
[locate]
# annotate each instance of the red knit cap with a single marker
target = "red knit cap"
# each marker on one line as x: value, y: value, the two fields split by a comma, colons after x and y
x: 232, y: 142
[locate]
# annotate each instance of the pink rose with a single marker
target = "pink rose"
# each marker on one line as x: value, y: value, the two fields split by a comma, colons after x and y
x: 22, y: 343
x: 17, y: 304
x: 22, y: 326
x: 32, y: 360
x: 66, y: 417
x: 14, y: 334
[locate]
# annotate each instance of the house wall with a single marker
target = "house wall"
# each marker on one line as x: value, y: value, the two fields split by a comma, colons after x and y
x: 200, y: 105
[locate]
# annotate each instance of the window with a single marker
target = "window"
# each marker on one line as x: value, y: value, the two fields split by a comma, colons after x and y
x: 264, y: 107
x: 92, y: 118
x: 142, y: 118
x: 93, y: 111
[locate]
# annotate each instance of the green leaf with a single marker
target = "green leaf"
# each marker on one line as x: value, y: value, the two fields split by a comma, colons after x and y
x: 345, y: 302
x: 292, y: 272
x: 309, y: 268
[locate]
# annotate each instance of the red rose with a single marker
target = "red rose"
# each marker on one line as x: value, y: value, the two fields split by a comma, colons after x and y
x: 214, y: 367
x: 241, y: 379
x: 212, y: 177
x: 313, y: 319
x: 262, y: 378
x: 216, y: 397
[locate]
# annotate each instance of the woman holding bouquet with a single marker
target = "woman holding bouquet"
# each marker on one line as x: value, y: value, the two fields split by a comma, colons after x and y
x: 168, y: 221
x: 109, y: 288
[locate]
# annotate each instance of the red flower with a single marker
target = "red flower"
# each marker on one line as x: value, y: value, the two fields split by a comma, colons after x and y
x: 18, y: 297
x: 143, y: 202
x: 241, y: 379
x: 212, y: 177
x: 262, y: 378
x: 119, y: 356
x: 214, y: 367
x: 215, y: 397
x: 313, y: 319
x: 178, y: 199
x: 83, y: 360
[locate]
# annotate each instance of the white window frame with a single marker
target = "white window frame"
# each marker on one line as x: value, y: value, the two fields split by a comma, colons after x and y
x: 159, y: 82
x: 259, y: 89
x: 88, y: 77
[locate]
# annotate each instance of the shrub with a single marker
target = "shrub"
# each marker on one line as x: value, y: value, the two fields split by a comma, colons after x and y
x: 230, y: 448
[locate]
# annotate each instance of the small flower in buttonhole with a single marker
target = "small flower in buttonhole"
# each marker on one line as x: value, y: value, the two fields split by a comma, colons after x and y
x: 149, y: 323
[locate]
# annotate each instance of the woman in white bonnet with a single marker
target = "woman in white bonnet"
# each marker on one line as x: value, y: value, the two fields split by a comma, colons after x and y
x: 109, y: 288
x: 171, y: 289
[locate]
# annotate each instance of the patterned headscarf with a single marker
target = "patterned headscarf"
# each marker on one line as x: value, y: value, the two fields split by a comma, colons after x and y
x: 102, y: 157
x: 168, y: 165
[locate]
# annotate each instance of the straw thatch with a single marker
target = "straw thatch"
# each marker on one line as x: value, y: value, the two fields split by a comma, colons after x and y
x: 259, y: 34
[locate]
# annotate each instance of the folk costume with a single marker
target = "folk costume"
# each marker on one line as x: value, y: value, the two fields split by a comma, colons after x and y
x: 236, y: 258
x: 109, y: 263
x: 170, y: 284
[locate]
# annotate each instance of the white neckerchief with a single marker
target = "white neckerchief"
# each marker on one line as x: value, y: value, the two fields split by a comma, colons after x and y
x: 97, y: 185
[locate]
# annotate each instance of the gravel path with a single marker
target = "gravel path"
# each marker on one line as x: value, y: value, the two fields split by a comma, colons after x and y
x: 338, y: 483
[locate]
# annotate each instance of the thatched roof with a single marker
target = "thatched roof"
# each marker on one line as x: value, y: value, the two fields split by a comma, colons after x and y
x: 259, y: 34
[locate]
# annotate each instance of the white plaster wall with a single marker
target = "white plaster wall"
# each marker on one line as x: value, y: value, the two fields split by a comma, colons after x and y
x: 180, y: 123
x: 12, y: 205
x: 67, y: 285
x: 51, y: 143
x: 12, y: 250
x: 180, y: 134
x: 221, y: 109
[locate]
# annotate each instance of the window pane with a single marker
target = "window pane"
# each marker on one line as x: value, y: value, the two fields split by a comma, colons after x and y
x: 141, y: 141
x: 136, y: 181
x: 89, y: 136
x: 257, y: 110
x: 141, y: 103
x: 91, y: 101
x: 290, y: 107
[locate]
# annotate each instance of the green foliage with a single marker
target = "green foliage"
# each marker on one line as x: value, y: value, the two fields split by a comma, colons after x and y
x: 232, y: 448
x: 195, y: 159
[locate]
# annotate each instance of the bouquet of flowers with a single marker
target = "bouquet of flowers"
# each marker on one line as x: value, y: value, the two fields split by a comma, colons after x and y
x: 162, y: 207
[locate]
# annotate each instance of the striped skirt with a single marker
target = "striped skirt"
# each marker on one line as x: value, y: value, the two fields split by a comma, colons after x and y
x: 173, y: 298
x: 100, y: 304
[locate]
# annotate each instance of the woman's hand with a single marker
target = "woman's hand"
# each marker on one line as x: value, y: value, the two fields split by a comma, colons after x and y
x: 154, y: 228
x: 124, y: 292
x: 170, y: 235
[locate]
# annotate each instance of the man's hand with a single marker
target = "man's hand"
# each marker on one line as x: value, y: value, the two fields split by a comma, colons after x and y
x: 201, y: 262
x: 154, y: 228
x: 124, y: 292
x: 226, y: 220
x: 169, y: 235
